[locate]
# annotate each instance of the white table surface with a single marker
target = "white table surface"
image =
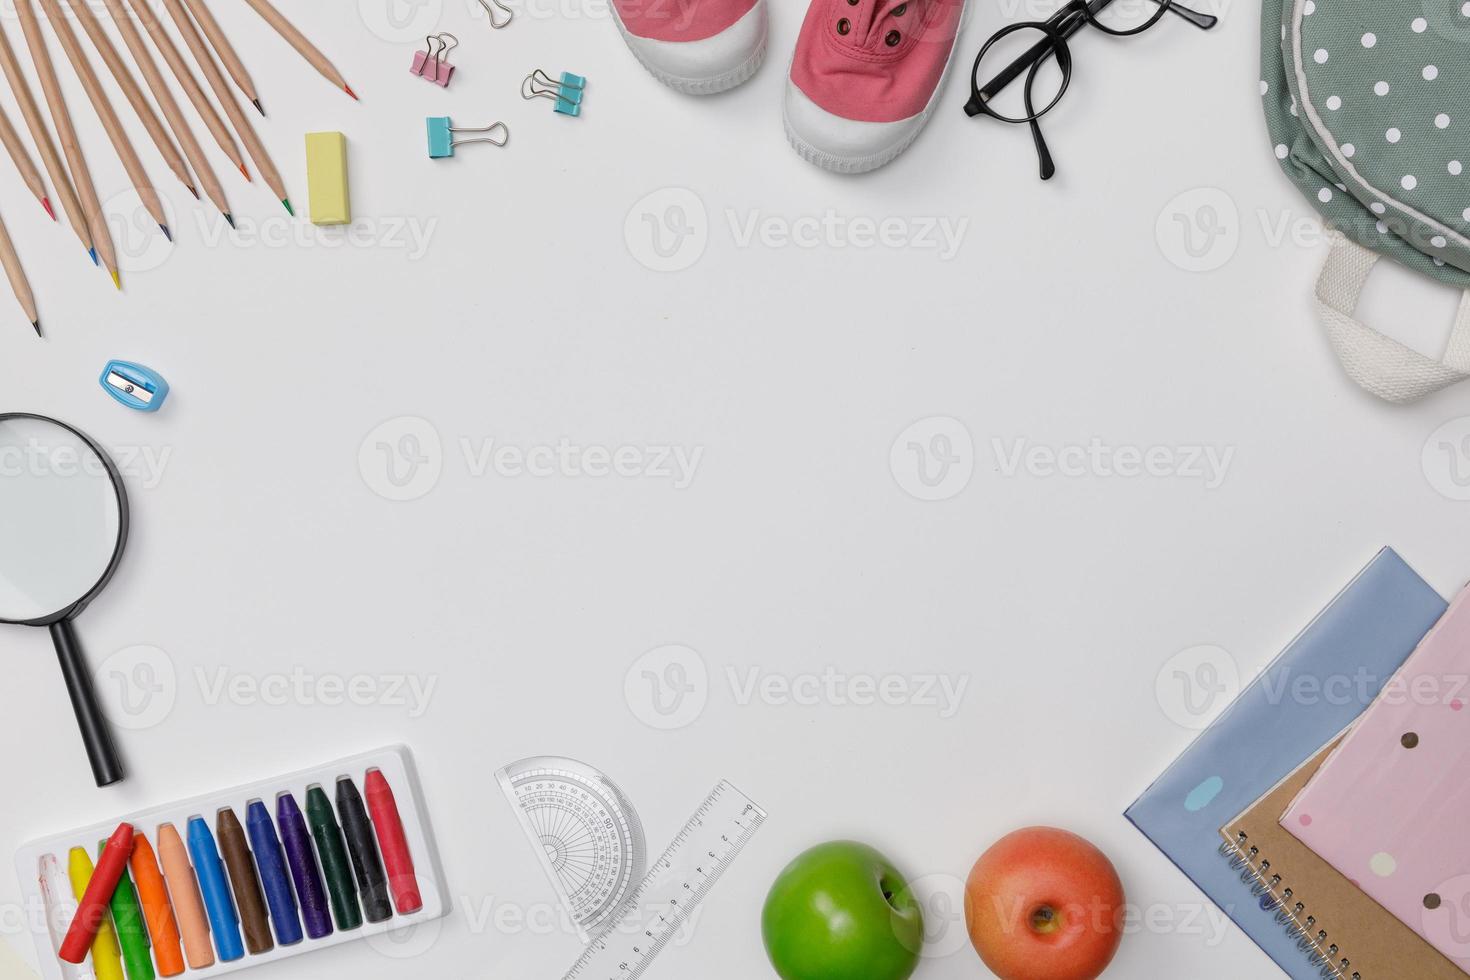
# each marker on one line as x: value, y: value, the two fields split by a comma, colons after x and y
x: 531, y: 310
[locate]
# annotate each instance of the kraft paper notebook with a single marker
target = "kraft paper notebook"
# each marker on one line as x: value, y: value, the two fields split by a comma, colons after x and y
x: 1390, y: 809
x: 1365, y: 633
x: 1342, y: 926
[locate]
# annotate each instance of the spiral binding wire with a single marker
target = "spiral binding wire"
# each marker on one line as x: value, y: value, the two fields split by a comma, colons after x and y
x: 1254, y: 870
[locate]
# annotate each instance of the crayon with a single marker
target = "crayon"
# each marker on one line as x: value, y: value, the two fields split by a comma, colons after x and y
x: 183, y: 888
x: 106, y: 957
x: 394, y: 845
x: 248, y: 900
x: 220, y: 907
x: 304, y: 871
x: 163, y: 931
x: 274, y: 877
x: 333, y: 853
x: 127, y: 919
x: 372, y: 882
x: 61, y: 908
x: 101, y: 881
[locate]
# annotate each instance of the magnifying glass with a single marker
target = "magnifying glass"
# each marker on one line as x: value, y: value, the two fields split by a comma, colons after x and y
x: 63, y: 524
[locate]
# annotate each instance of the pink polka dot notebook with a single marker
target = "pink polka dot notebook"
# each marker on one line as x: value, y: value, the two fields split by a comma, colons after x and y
x: 1390, y: 809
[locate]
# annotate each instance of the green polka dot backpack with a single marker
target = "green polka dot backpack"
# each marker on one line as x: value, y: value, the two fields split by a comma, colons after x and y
x: 1368, y: 104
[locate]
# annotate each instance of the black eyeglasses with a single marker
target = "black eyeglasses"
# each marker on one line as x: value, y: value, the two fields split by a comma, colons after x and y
x: 1053, y: 43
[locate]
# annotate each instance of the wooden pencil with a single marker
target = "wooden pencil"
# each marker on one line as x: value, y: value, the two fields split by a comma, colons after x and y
x: 23, y: 163
x: 222, y: 47
x: 176, y: 63
x: 17, y: 276
x: 125, y: 80
x: 298, y: 41
x: 66, y: 133
x: 41, y: 136
x: 216, y: 80
x: 169, y: 106
x: 142, y: 183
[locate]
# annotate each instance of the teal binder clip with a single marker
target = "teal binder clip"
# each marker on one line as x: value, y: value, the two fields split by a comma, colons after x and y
x: 566, y: 93
x: 442, y: 141
x: 134, y: 385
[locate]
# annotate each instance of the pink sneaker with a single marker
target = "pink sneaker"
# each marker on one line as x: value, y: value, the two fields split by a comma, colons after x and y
x: 698, y: 47
x: 865, y: 78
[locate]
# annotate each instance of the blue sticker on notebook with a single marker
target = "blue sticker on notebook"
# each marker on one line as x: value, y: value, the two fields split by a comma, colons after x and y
x: 1204, y: 794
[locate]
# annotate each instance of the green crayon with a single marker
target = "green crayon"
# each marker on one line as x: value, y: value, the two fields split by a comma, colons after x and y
x: 132, y: 932
x: 332, y: 849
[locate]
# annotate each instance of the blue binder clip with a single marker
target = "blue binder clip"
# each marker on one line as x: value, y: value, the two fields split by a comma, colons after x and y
x: 134, y: 385
x: 442, y: 141
x: 566, y: 93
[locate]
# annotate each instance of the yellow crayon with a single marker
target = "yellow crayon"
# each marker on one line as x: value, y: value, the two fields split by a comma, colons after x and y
x: 106, y: 954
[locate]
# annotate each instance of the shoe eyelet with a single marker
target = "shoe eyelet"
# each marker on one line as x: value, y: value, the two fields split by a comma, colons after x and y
x: 852, y: 3
x: 900, y: 10
x: 892, y: 38
x: 844, y: 27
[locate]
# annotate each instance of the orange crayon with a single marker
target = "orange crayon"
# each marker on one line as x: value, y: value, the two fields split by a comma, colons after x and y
x: 163, y: 929
x: 183, y: 887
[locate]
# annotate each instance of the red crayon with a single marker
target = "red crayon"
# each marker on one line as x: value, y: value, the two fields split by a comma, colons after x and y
x: 93, y: 907
x: 396, y: 857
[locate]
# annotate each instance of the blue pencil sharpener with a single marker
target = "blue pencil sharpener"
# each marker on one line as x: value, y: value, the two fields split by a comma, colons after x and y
x: 134, y: 385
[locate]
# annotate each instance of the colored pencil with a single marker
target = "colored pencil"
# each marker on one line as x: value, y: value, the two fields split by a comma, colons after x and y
x: 142, y: 183
x: 397, y: 858
x: 132, y: 932
x: 85, y: 883
x: 23, y: 163
x: 183, y: 889
x: 163, y: 929
x: 222, y: 47
x: 67, y: 134
x: 17, y: 276
x: 125, y: 80
x: 170, y: 107
x: 41, y: 136
x: 95, y: 892
x: 175, y: 61
x: 298, y: 41
x: 205, y: 60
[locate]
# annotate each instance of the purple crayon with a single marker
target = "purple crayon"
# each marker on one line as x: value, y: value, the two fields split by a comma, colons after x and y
x: 304, y: 870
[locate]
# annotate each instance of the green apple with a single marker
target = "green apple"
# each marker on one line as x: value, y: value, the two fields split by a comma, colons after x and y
x: 842, y: 911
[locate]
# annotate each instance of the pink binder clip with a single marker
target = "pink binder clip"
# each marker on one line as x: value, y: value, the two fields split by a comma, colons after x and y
x: 430, y: 63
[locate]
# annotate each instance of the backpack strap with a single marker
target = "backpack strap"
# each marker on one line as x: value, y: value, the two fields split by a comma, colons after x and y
x: 1380, y: 364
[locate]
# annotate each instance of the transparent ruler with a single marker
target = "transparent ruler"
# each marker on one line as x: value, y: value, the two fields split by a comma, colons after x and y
x: 673, y: 888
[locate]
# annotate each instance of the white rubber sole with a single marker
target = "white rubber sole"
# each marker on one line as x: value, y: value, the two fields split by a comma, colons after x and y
x: 851, y: 146
x: 709, y: 66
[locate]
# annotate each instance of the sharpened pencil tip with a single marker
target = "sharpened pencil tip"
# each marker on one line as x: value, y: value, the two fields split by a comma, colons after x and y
x: 348, y: 90
x: 93, y: 252
x: 230, y: 218
x: 258, y: 107
x: 193, y: 190
x: 166, y: 233
x: 289, y: 209
x: 37, y: 325
x: 46, y: 203
x: 245, y: 172
x: 116, y: 279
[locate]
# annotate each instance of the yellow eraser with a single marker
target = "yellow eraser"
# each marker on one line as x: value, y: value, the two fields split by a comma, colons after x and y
x: 326, y: 179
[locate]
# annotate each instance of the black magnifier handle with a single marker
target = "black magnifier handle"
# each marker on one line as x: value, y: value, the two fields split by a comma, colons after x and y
x: 96, y: 734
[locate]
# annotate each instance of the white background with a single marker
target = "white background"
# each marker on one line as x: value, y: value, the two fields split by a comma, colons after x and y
x: 1070, y: 312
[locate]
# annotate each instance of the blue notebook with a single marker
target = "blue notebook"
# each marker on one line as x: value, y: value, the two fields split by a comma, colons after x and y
x: 1353, y: 647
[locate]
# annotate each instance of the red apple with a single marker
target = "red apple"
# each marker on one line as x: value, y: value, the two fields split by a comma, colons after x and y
x: 1044, y: 904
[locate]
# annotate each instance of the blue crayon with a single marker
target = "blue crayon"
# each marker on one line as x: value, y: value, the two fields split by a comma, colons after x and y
x: 305, y: 872
x: 274, y: 877
x: 224, y: 921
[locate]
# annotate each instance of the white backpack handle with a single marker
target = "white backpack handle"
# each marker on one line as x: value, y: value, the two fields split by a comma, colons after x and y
x: 1378, y: 363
